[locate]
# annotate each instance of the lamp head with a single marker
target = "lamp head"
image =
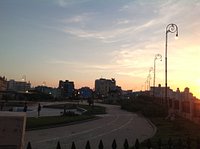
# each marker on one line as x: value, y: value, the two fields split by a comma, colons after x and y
x: 176, y: 34
x: 176, y: 37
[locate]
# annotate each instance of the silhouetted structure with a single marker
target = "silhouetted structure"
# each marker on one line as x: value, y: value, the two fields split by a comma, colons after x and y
x: 87, y: 145
x: 176, y: 144
x: 25, y: 107
x: 73, y: 146
x: 19, y: 85
x: 100, y: 144
x: 103, y: 86
x: 67, y: 88
x: 85, y: 93
x: 58, y: 145
x: 114, y: 144
x: 126, y: 145
x: 39, y: 109
x: 3, y: 85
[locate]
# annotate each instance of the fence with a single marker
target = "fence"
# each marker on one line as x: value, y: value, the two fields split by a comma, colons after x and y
x: 169, y: 144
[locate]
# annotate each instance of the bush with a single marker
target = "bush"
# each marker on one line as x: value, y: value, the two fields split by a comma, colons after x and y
x: 144, y: 105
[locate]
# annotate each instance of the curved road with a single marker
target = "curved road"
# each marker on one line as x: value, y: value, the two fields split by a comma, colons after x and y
x: 117, y: 124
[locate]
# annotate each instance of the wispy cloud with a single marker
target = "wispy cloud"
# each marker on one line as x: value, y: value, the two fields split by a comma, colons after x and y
x: 65, y: 3
x: 83, y: 65
x: 111, y: 35
x: 122, y: 67
x: 82, y: 18
x: 105, y: 36
x: 76, y: 19
x: 124, y: 21
x: 62, y: 3
x: 124, y: 8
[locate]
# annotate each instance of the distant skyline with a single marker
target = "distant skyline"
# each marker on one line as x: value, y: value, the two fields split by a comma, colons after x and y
x: 84, y: 40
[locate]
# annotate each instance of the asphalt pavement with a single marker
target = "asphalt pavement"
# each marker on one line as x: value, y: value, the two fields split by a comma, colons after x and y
x: 116, y: 124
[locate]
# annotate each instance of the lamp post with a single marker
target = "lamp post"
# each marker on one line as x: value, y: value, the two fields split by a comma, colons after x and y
x: 171, y: 28
x: 157, y: 56
x: 146, y: 84
x: 149, y: 76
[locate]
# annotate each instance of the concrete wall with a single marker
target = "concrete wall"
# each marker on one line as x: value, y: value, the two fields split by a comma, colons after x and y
x: 12, y: 130
x: 189, y: 109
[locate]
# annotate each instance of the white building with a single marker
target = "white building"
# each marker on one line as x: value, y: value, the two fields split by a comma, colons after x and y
x: 160, y: 92
x: 18, y: 85
x: 104, y: 86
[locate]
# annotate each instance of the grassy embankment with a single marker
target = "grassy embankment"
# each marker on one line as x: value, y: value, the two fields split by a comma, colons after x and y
x: 54, y: 121
x: 178, y: 129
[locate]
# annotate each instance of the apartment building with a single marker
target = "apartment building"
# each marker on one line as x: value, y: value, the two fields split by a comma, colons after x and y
x: 104, y: 86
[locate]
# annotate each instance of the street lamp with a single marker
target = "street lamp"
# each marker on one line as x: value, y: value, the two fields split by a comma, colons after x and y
x: 149, y: 76
x: 146, y: 84
x: 157, y: 56
x: 171, y: 28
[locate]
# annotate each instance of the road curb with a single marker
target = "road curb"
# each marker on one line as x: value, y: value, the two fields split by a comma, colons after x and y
x: 151, y: 124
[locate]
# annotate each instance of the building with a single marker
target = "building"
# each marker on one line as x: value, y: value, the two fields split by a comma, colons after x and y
x: 186, y: 95
x: 85, y: 93
x: 160, y: 92
x: 104, y: 86
x: 18, y: 86
x: 55, y: 92
x: 67, y: 88
x: 179, y: 103
x: 3, y: 84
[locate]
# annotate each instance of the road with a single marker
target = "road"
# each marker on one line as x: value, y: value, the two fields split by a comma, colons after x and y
x: 117, y: 124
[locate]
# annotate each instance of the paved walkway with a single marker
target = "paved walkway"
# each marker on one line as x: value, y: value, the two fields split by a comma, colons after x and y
x: 117, y: 124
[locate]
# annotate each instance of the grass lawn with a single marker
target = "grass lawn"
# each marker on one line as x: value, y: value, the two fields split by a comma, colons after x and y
x: 178, y: 129
x: 52, y: 121
x: 91, y: 110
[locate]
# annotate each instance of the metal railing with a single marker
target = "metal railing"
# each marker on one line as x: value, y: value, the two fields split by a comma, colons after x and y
x: 167, y: 144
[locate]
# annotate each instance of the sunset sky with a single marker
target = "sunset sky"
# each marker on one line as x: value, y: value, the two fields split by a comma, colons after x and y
x: 83, y: 40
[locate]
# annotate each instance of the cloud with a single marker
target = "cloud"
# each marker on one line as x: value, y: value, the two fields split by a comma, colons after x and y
x: 115, y: 29
x: 62, y: 3
x: 101, y: 35
x: 146, y: 25
x: 115, y: 34
x: 124, y: 21
x: 65, y: 3
x: 123, y: 67
x: 75, y: 19
x: 137, y: 39
x: 82, y: 18
x: 121, y: 29
x: 82, y: 65
x: 137, y: 43
x: 125, y: 7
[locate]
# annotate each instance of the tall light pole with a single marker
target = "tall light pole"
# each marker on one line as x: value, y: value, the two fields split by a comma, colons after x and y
x: 157, y: 56
x: 149, y: 76
x: 171, y: 28
x: 146, y: 84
